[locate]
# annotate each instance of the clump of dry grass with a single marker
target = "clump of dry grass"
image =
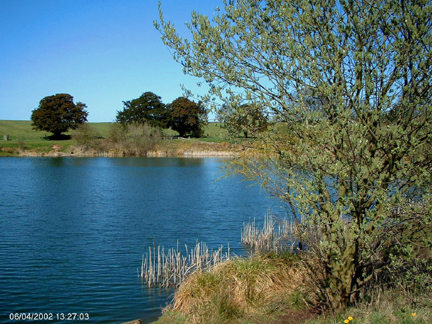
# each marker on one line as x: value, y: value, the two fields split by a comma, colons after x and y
x: 239, y: 289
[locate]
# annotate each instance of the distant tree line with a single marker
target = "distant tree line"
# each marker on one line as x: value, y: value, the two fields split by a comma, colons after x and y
x: 182, y: 115
x: 58, y: 113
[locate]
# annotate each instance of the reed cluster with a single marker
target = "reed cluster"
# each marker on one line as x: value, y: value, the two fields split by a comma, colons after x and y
x: 276, y: 235
x: 165, y: 268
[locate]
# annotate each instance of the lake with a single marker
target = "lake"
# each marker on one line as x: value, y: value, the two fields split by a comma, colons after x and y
x: 73, y: 230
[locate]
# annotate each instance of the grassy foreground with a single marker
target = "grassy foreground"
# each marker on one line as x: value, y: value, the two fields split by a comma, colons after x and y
x: 273, y: 288
x: 240, y: 290
x: 23, y: 140
x: 274, y: 284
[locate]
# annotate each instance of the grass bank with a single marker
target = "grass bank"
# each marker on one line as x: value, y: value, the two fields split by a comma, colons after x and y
x: 258, y: 289
x: 272, y: 288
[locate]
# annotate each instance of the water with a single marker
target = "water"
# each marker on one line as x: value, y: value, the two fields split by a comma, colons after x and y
x: 73, y: 230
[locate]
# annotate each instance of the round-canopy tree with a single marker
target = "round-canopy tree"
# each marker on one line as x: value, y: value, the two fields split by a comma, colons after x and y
x: 187, y: 117
x: 58, y: 113
x: 146, y: 109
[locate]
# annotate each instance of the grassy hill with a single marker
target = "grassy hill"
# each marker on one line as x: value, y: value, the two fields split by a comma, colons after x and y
x: 21, y: 130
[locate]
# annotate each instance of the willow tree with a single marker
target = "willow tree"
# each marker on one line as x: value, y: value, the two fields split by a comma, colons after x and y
x: 347, y: 86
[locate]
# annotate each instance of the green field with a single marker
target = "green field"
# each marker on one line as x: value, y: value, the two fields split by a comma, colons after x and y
x: 21, y: 135
x: 21, y: 130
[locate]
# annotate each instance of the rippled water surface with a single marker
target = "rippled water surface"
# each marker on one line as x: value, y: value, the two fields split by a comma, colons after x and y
x: 73, y: 230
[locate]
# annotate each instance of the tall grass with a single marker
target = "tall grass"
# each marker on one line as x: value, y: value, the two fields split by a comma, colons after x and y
x: 170, y: 267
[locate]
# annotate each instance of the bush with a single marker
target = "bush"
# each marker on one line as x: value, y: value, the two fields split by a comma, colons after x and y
x: 86, y: 137
x: 133, y: 139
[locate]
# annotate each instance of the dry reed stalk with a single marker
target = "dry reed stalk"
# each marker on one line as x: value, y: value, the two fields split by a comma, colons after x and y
x: 271, y: 238
x: 167, y: 268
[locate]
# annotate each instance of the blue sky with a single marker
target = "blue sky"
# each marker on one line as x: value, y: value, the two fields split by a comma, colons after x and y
x: 102, y: 52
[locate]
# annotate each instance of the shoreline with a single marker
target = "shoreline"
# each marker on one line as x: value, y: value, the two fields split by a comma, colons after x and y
x: 153, y: 153
x: 184, y: 148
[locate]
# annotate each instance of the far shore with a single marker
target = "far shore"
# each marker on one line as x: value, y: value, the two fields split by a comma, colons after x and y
x: 19, y: 139
x: 153, y: 153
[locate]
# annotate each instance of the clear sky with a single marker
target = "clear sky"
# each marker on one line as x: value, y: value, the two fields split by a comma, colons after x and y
x: 102, y: 52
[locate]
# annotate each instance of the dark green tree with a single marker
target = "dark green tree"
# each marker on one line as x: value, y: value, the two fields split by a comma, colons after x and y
x: 148, y: 108
x: 187, y: 117
x: 350, y: 81
x: 58, y: 113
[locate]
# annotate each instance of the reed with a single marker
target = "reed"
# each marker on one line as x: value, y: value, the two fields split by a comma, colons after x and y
x: 165, y: 268
x: 276, y: 235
